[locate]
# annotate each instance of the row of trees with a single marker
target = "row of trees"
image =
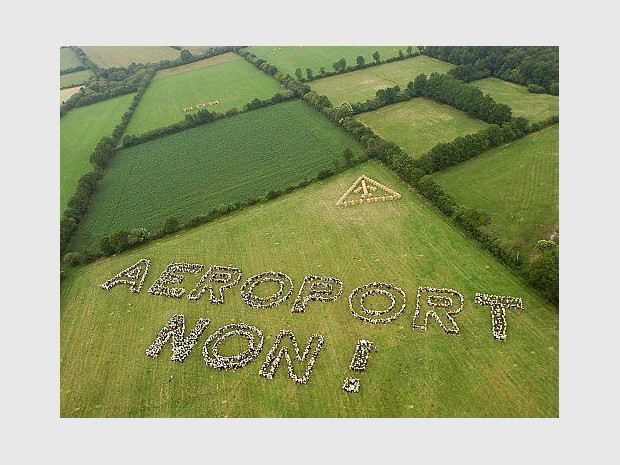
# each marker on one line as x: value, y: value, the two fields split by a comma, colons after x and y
x: 341, y: 65
x: 535, y: 67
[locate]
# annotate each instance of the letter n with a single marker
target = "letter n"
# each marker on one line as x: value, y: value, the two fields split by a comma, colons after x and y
x: 285, y: 341
x: 181, y: 346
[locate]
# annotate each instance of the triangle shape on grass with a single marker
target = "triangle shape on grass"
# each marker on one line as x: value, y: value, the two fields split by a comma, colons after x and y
x: 367, y: 190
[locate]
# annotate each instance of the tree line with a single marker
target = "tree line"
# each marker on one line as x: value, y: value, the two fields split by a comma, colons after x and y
x: 537, y: 68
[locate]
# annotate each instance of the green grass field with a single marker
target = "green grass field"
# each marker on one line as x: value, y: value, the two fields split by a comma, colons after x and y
x: 288, y: 59
x: 80, y: 130
x: 227, y: 78
x: 68, y: 59
x: 234, y: 159
x: 534, y: 107
x: 517, y: 184
x: 197, y: 49
x: 358, y: 86
x: 115, y: 56
x: 104, y: 371
x: 418, y: 125
x: 75, y: 79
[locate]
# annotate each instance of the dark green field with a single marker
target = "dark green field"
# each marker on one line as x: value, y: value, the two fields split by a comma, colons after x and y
x: 235, y: 159
x: 80, y: 130
x: 359, y: 86
x: 418, y: 125
x: 227, y: 78
x: 516, y: 183
x: 104, y: 371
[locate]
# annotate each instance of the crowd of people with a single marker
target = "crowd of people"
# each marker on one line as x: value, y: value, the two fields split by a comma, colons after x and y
x: 351, y: 385
x: 181, y: 346
x: 361, y: 355
x: 499, y: 304
x: 169, y: 277
x: 360, y: 312
x: 321, y: 290
x: 261, y: 303
x: 439, y: 299
x: 224, y: 276
x: 210, y: 350
x: 274, y: 357
x: 130, y: 276
x: 367, y: 197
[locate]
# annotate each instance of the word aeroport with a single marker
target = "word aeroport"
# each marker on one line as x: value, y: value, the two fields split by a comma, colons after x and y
x: 364, y: 301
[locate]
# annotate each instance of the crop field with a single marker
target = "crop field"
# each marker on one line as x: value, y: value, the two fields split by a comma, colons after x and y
x: 65, y: 94
x: 68, y: 59
x: 359, y: 86
x: 104, y: 334
x: 197, y: 49
x: 80, y: 131
x: 234, y: 159
x: 288, y: 59
x: 227, y: 78
x: 517, y: 184
x: 534, y: 107
x: 74, y: 79
x: 115, y: 56
x: 419, y: 124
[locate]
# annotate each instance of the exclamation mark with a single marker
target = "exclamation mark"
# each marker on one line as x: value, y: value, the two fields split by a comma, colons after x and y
x: 359, y: 363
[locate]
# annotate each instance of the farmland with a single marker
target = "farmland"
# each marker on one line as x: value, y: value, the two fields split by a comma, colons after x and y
x: 227, y: 78
x: 359, y: 86
x: 80, y: 130
x: 288, y: 59
x: 517, y: 184
x: 104, y: 371
x: 74, y: 79
x: 534, y: 107
x: 66, y: 93
x: 68, y: 59
x: 189, y: 173
x: 114, y: 56
x: 419, y: 124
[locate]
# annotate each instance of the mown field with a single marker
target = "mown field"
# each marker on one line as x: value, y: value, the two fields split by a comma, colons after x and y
x: 288, y: 59
x: 73, y: 79
x: 234, y: 159
x: 104, y: 371
x: 227, y: 78
x: 68, y: 59
x: 517, y: 184
x: 534, y: 107
x: 80, y: 130
x: 113, y: 56
x: 65, y: 94
x: 359, y: 86
x: 418, y: 125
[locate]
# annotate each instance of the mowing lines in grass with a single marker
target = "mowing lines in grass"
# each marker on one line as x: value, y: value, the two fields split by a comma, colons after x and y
x: 419, y: 124
x: 104, y: 334
x: 534, y: 107
x: 358, y: 86
x: 227, y: 78
x: 517, y: 184
x: 234, y: 159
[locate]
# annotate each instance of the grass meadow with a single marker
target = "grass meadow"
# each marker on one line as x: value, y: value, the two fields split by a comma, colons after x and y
x: 115, y: 56
x: 517, y: 184
x: 288, y: 59
x: 80, y: 131
x: 189, y: 173
x: 534, y: 107
x: 419, y: 124
x: 104, y: 371
x: 68, y: 59
x: 74, y: 79
x: 227, y: 78
x: 359, y: 86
